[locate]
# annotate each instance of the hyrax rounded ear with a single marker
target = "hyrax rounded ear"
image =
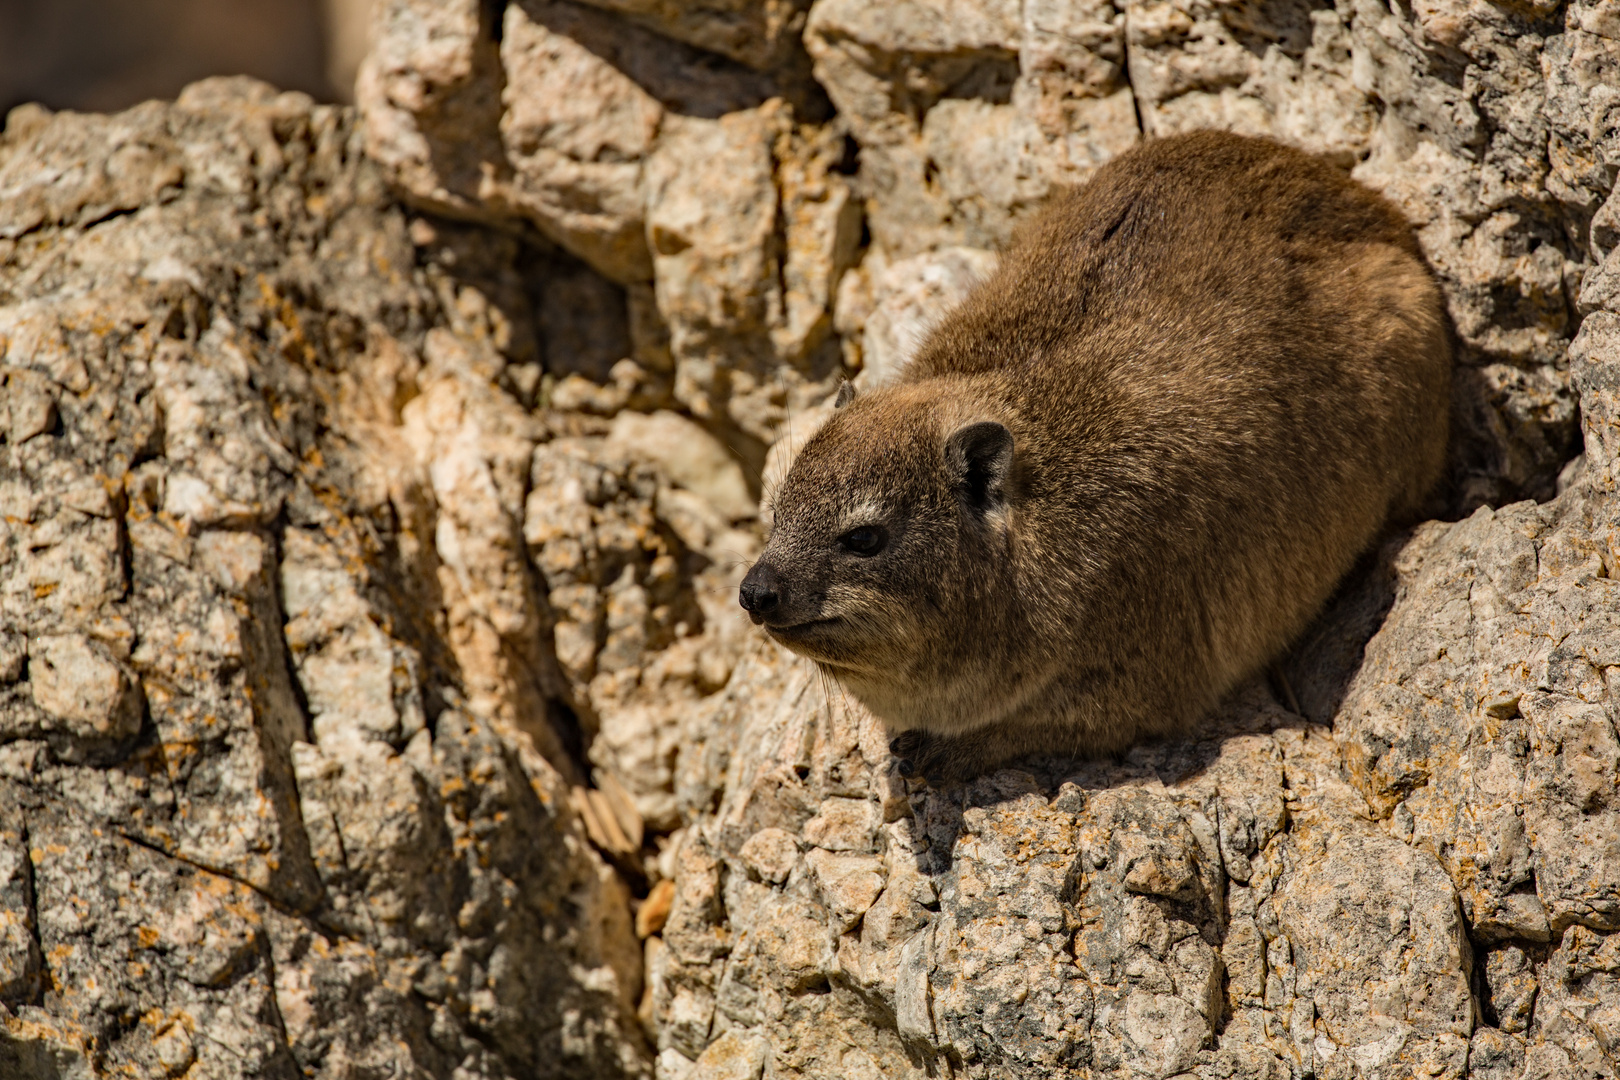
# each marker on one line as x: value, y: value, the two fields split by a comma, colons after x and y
x: 981, y: 455
x: 845, y: 395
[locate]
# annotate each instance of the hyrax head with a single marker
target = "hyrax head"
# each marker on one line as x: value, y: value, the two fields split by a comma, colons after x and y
x: 890, y: 534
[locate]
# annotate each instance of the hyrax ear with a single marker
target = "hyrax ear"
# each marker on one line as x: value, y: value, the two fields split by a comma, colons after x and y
x: 845, y: 395
x: 981, y: 456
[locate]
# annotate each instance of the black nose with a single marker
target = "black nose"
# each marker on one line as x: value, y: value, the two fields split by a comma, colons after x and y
x: 762, y: 592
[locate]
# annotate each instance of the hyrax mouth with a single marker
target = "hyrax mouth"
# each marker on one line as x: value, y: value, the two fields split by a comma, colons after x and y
x: 797, y: 630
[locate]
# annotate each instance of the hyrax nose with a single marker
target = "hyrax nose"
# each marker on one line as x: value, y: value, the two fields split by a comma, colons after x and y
x: 762, y: 592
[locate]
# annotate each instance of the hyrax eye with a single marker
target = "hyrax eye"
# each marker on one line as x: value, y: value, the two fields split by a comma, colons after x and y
x: 866, y: 541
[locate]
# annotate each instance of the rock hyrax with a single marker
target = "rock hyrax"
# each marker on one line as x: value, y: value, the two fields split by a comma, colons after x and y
x: 1128, y: 470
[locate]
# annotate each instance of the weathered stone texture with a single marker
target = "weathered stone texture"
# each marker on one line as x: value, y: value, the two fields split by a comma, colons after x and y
x: 273, y: 802
x: 374, y: 486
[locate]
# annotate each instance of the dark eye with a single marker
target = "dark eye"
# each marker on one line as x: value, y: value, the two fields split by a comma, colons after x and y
x: 867, y: 541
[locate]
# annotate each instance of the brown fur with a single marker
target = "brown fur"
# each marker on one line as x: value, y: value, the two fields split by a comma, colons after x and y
x: 1223, y: 367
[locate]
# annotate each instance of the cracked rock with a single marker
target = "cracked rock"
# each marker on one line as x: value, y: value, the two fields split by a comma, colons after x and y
x: 269, y: 806
x: 374, y: 486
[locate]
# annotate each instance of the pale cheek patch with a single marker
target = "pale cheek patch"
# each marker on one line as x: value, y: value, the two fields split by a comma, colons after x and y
x: 848, y: 600
x: 883, y: 620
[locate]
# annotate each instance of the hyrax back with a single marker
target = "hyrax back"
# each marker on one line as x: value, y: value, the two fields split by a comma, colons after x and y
x: 1128, y: 469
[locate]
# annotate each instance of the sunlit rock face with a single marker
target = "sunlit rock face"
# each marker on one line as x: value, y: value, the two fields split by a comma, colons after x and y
x: 374, y: 485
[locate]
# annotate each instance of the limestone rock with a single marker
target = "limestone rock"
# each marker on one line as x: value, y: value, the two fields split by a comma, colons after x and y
x: 271, y: 802
x: 750, y: 228
x: 576, y: 131
x: 374, y: 487
x: 762, y: 35
x: 689, y: 456
x: 545, y: 113
x: 82, y: 691
x: 636, y: 575
x: 969, y: 113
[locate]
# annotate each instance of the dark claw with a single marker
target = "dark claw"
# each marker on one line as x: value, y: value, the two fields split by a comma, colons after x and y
x: 907, y: 743
x: 907, y: 769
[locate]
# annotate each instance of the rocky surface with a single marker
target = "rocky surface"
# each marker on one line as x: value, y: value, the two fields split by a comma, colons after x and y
x: 372, y: 698
x: 277, y: 792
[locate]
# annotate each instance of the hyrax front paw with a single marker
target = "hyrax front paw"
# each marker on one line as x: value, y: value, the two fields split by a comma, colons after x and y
x: 905, y: 749
x: 922, y: 756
